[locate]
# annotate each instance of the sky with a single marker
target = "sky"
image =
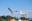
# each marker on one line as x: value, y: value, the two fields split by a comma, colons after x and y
x: 15, y: 4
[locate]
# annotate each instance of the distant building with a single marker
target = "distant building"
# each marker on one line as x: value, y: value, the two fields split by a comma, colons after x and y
x: 0, y: 18
x: 24, y: 19
x: 30, y: 19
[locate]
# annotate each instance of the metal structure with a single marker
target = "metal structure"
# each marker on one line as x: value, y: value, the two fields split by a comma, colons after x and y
x: 23, y: 14
x: 10, y: 10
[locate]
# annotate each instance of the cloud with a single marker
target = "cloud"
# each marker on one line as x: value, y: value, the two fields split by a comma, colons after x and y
x: 6, y: 12
x: 28, y: 12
